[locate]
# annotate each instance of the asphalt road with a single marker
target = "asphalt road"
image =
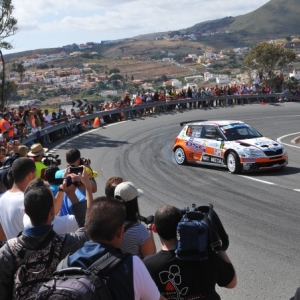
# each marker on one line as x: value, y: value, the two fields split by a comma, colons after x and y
x: 260, y: 211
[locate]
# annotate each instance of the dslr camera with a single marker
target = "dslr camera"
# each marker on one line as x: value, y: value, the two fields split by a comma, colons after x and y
x: 85, y: 161
x: 50, y: 159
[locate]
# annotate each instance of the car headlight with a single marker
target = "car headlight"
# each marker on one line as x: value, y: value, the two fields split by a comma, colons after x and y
x: 253, y: 152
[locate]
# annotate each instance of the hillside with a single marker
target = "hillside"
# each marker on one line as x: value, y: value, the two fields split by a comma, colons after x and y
x: 275, y: 19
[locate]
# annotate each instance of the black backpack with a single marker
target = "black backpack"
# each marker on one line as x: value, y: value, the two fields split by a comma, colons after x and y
x: 81, y: 284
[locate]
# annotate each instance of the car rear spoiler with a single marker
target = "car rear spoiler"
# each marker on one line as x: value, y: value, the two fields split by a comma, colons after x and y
x: 192, y: 121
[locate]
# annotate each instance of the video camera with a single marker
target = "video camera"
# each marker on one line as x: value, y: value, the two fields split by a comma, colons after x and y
x: 199, y: 231
x: 147, y: 220
x: 50, y: 159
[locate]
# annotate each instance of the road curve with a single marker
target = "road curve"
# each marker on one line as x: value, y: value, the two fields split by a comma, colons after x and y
x: 260, y: 211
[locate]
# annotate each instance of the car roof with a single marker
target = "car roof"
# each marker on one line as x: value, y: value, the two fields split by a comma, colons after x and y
x: 214, y: 122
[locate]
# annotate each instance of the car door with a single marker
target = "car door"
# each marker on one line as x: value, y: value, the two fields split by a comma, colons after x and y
x: 194, y: 144
x: 214, y: 144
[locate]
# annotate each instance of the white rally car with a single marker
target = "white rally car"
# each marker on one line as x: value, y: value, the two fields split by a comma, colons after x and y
x: 231, y: 144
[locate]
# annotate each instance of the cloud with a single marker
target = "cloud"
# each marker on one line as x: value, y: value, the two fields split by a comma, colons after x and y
x: 111, y: 19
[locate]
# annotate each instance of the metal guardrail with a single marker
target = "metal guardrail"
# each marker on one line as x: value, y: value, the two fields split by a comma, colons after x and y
x: 244, y: 99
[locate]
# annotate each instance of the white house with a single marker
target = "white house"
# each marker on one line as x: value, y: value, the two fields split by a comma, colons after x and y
x: 208, y: 76
x: 109, y: 93
x: 209, y: 54
x: 295, y: 74
x: 177, y: 84
x: 222, y: 79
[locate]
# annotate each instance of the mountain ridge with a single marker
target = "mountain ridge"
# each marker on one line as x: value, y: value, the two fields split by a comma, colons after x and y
x: 275, y: 19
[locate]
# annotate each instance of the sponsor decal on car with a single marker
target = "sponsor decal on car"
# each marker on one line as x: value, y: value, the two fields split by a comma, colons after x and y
x: 218, y: 152
x: 216, y: 160
x: 248, y: 160
x: 196, y: 147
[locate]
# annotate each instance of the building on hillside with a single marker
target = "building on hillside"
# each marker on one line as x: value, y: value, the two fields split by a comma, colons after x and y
x: 222, y: 79
x: 295, y: 74
x: 209, y: 54
x: 193, y: 56
x: 177, y: 84
x: 208, y: 76
x: 109, y: 93
x: 194, y: 78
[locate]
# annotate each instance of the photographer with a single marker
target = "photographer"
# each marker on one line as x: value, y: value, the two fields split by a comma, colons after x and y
x: 74, y: 159
x: 197, y: 278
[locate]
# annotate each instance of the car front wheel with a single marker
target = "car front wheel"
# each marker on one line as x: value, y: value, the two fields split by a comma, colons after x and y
x: 180, y: 156
x: 233, y: 163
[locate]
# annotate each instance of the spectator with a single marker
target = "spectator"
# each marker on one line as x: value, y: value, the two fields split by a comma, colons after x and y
x: 110, y: 186
x: 26, y: 118
x: 3, y: 137
x: 44, y: 246
x: 196, y: 278
x: 12, y: 202
x: 104, y: 225
x: 23, y: 151
x: 37, y: 153
x: 21, y: 112
x: 3, y: 152
x: 5, y: 125
x: 62, y: 224
x: 137, y: 240
x: 73, y: 158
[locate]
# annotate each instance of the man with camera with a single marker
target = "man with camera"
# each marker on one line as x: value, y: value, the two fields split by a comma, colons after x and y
x: 185, y: 279
x: 74, y: 160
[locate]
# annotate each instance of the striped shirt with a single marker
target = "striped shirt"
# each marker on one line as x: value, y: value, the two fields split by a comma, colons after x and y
x: 134, y: 238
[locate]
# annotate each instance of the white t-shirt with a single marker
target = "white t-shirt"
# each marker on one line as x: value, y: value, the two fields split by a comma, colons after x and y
x: 144, y: 286
x: 11, y: 213
x: 61, y: 224
x: 47, y: 118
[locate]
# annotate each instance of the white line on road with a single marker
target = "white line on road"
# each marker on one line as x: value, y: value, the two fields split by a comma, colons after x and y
x: 282, y: 137
x: 296, y: 190
x: 263, y: 181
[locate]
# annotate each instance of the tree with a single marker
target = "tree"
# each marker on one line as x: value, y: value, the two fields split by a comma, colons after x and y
x: 113, y: 71
x: 116, y: 77
x: 19, y: 68
x: 8, y: 27
x: 266, y: 58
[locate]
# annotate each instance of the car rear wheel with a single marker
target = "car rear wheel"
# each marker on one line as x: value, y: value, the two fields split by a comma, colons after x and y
x: 233, y: 163
x: 180, y: 156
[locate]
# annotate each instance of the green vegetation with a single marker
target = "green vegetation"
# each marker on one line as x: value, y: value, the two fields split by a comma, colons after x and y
x: 8, y: 27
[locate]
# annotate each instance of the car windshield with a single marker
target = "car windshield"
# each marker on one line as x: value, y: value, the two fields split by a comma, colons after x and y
x: 237, y: 131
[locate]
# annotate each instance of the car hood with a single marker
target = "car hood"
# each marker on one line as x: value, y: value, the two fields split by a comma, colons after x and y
x: 262, y: 143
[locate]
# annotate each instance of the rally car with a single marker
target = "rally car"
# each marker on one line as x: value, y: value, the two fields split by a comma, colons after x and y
x: 230, y: 144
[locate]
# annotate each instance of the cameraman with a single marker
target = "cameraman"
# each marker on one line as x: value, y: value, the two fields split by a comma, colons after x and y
x: 173, y: 276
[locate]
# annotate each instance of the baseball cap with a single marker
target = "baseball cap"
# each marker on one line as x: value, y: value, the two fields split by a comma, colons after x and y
x: 126, y: 191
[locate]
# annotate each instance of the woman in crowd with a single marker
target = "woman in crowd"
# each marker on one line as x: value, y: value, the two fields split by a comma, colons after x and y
x: 137, y: 239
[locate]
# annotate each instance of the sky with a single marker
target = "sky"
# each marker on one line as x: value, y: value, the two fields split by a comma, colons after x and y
x: 55, y: 23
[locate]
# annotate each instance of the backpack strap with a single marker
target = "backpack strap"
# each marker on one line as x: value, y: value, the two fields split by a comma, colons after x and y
x: 64, y: 264
x: 107, y: 262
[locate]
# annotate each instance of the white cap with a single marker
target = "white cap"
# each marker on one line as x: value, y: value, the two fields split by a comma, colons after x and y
x: 127, y: 191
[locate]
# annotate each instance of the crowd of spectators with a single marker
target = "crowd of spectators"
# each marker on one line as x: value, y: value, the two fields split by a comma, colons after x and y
x: 53, y: 222
x: 51, y: 208
x: 17, y: 123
